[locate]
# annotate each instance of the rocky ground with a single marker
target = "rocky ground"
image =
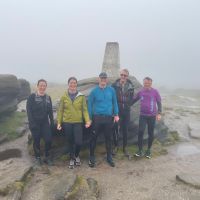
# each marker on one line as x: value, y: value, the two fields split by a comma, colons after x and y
x: 172, y: 176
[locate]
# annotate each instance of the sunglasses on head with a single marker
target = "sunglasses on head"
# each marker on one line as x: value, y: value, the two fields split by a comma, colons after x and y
x: 123, y: 75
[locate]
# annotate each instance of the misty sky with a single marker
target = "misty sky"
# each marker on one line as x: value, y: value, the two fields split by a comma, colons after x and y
x: 55, y: 39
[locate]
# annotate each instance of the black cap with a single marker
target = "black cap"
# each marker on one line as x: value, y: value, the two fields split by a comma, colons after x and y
x: 103, y: 75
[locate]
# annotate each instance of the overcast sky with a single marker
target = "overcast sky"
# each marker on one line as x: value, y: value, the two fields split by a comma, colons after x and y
x: 55, y: 39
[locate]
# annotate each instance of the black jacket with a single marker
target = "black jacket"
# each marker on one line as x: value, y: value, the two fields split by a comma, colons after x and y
x: 39, y: 109
x: 124, y: 95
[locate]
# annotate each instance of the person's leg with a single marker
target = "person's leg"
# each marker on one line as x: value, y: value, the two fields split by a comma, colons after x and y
x: 68, y: 131
x: 78, y: 139
x: 142, y: 126
x: 47, y: 136
x: 93, y: 139
x: 115, y: 129
x: 108, y: 142
x: 151, y: 124
x: 36, y: 135
x: 124, y: 126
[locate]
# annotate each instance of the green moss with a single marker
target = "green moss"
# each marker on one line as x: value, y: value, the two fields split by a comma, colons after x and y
x: 4, y: 191
x: 10, y: 123
x: 80, y: 187
x: 175, y: 135
x: 19, y: 185
x: 64, y: 158
x: 172, y: 138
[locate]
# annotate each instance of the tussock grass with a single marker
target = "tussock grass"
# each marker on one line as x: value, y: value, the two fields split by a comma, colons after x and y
x: 10, y: 123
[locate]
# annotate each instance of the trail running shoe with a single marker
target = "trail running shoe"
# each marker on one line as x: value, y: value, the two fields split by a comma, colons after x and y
x: 77, y: 161
x: 91, y: 162
x: 139, y: 153
x: 148, y: 153
x: 71, y: 164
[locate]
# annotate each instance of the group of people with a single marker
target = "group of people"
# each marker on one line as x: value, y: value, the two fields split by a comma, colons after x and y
x: 107, y: 105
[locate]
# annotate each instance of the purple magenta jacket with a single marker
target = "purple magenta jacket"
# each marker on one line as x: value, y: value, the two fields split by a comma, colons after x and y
x: 150, y: 102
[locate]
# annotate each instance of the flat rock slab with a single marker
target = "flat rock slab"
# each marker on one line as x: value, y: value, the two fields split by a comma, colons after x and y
x: 194, y: 130
x: 189, y: 179
x: 51, y: 187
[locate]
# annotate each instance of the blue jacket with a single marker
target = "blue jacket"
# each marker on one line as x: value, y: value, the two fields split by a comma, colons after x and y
x: 102, y: 101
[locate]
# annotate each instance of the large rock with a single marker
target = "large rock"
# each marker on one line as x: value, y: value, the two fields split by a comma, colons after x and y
x: 49, y: 186
x: 12, y: 91
x: 189, y: 179
x: 25, y: 90
x: 194, y: 130
x: 9, y: 89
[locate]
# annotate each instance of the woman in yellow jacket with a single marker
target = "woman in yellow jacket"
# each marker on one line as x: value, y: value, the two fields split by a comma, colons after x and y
x: 71, y: 114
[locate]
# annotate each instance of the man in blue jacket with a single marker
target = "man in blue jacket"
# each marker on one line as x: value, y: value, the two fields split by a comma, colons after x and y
x: 102, y: 106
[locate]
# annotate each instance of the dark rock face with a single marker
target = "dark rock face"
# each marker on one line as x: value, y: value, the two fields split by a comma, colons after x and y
x: 9, y: 89
x: 12, y: 91
x: 25, y: 90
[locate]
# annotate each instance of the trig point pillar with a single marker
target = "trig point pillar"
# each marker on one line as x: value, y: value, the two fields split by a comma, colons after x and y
x: 111, y: 62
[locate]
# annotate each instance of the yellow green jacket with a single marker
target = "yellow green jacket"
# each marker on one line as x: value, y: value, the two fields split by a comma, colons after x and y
x: 72, y: 111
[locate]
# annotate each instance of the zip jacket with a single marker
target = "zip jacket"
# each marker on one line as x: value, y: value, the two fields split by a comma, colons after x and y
x: 102, y: 101
x: 124, y: 95
x: 150, y: 102
x: 39, y: 109
x: 73, y: 111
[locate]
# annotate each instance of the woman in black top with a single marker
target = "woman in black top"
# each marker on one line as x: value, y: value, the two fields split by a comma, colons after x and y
x: 40, y: 117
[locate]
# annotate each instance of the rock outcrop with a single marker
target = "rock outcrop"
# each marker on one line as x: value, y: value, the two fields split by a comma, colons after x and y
x: 12, y: 91
x: 9, y: 89
x: 25, y: 90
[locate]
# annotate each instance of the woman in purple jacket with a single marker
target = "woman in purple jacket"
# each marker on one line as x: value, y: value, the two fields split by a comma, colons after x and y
x: 150, y: 111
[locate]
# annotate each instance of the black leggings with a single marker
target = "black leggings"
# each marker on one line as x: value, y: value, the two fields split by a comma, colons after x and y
x: 124, y: 122
x: 101, y: 123
x: 74, y: 138
x: 41, y: 131
x: 150, y: 122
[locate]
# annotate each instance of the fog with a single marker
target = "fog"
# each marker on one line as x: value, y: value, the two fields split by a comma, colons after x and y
x: 57, y: 39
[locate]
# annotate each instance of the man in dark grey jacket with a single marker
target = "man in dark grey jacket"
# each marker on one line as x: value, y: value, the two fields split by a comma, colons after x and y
x: 124, y: 90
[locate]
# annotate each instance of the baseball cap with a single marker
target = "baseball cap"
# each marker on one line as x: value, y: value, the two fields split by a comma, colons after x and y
x: 103, y: 75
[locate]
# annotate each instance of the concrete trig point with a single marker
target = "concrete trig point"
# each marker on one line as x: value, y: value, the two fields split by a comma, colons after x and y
x: 111, y: 62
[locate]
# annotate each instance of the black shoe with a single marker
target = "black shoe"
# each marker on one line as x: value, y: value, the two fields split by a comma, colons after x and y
x: 91, y: 162
x: 48, y: 161
x: 111, y: 162
x: 38, y: 162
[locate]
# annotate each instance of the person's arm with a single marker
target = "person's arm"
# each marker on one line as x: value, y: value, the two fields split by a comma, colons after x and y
x: 90, y: 104
x: 51, y: 111
x: 60, y: 113
x: 115, y: 106
x: 51, y: 114
x: 130, y: 96
x: 159, y: 106
x: 86, y: 114
x: 29, y: 105
x: 135, y: 98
